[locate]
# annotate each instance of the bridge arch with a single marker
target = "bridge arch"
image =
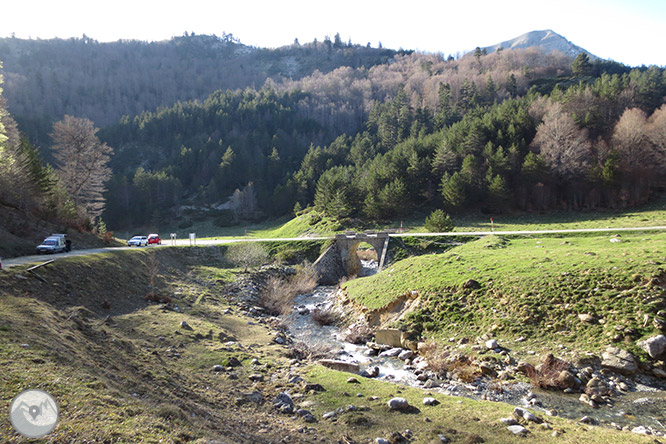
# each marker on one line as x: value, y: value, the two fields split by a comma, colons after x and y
x: 341, y: 260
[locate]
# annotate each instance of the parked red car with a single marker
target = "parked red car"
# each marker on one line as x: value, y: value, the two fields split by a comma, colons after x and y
x: 154, y: 239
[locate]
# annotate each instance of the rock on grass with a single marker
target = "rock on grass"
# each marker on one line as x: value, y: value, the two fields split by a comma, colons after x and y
x: 398, y: 404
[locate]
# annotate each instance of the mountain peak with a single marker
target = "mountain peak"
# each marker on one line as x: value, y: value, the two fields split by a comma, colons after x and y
x: 547, y: 39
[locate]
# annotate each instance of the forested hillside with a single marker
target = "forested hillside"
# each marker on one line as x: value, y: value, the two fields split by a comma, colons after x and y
x: 516, y: 129
x: 47, y: 79
x: 596, y: 143
x: 356, y: 132
x: 201, y: 151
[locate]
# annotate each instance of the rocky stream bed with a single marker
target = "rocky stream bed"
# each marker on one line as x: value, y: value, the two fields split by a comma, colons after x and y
x: 596, y: 394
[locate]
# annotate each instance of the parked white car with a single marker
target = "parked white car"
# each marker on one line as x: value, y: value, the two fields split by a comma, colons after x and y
x: 139, y: 241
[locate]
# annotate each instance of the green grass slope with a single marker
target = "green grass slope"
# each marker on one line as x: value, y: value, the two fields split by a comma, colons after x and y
x: 531, y: 286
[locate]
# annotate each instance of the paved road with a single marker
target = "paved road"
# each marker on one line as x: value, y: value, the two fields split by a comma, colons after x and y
x: 12, y: 262
x: 34, y: 259
x: 562, y: 231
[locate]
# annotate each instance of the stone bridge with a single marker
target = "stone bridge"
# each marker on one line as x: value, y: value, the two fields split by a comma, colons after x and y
x: 340, y: 259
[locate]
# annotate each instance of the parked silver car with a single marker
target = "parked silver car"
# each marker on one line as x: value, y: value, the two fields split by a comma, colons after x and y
x: 139, y: 241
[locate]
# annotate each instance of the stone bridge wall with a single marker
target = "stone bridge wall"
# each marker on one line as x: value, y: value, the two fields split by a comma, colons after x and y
x: 340, y: 259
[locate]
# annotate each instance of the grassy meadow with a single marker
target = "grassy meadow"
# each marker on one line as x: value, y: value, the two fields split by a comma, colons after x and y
x: 530, y: 286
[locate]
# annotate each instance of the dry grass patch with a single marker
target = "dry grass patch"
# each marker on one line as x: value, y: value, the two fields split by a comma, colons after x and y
x: 552, y: 373
x: 278, y: 293
x: 435, y: 355
x: 326, y: 316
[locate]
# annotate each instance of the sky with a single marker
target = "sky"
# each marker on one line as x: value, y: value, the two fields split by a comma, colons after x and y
x: 632, y: 32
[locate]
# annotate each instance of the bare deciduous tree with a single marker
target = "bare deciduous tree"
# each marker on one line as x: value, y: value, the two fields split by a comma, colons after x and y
x: 630, y: 139
x: 636, y: 140
x: 657, y: 132
x: 244, y: 203
x: 562, y: 144
x: 82, y: 161
x: 246, y: 254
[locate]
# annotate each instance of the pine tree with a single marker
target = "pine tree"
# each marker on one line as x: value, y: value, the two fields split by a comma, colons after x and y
x: 499, y: 194
x: 453, y: 190
x: 512, y: 86
x: 438, y: 222
x: 581, y: 65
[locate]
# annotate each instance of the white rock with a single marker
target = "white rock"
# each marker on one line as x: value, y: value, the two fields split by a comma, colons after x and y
x: 429, y: 401
x: 429, y: 384
x: 525, y: 414
x: 492, y: 344
x: 517, y: 429
x: 654, y: 346
x: 406, y: 354
x: 392, y: 353
x: 641, y: 430
x: 398, y: 404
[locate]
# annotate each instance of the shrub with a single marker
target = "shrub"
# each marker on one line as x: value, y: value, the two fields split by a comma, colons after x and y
x: 157, y: 298
x: 463, y: 369
x: 108, y: 237
x: 304, y: 281
x: 224, y: 218
x: 439, y: 222
x: 303, y: 351
x: 435, y: 355
x: 246, y: 254
x: 550, y: 374
x: 185, y: 223
x: 368, y: 254
x: 276, y: 296
x: 440, y: 362
x: 325, y: 316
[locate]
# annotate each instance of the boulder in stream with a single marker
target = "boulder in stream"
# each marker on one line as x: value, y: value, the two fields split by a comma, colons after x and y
x: 342, y: 366
x: 389, y: 336
x: 392, y: 353
x: 619, y: 360
x: 370, y: 372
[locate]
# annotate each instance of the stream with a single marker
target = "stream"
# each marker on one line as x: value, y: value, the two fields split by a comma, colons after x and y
x: 644, y: 406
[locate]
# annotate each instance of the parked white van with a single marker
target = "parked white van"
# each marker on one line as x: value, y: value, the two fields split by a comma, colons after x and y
x: 55, y: 243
